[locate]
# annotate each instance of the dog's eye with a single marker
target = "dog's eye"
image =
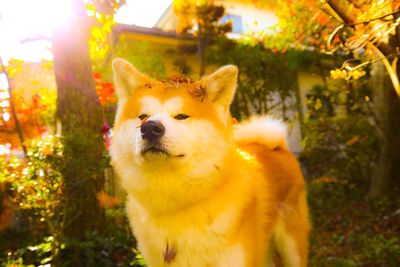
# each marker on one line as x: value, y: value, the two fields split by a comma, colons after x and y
x: 143, y: 116
x: 181, y: 116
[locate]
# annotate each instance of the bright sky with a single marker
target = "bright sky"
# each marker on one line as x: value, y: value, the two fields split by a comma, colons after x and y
x: 142, y: 13
x: 24, y: 19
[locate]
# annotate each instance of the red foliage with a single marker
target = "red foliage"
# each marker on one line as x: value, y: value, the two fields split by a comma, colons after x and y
x: 105, y: 90
x: 30, y: 112
x: 29, y: 115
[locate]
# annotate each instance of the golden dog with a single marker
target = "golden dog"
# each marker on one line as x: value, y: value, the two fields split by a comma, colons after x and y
x: 202, y: 192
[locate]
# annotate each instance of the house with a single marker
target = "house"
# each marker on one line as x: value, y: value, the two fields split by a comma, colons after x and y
x: 154, y: 50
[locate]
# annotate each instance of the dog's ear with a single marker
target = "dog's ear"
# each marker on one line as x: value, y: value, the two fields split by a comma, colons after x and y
x: 221, y: 85
x: 127, y: 78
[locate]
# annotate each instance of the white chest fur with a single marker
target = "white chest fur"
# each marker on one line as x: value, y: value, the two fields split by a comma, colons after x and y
x: 185, y: 240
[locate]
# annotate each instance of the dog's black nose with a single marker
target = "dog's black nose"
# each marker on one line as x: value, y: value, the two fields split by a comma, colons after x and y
x: 152, y: 130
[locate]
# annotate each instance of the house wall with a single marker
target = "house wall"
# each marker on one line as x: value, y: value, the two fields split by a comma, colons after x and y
x: 254, y: 19
x: 145, y: 51
x: 168, y: 21
x: 307, y: 81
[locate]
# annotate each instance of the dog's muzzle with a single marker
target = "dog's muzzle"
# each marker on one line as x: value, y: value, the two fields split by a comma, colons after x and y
x: 152, y: 131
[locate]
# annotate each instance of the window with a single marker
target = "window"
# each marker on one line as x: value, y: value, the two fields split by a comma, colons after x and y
x: 237, y: 24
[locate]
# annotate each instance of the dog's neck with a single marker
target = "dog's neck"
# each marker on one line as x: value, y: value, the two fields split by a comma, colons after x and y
x: 170, y: 189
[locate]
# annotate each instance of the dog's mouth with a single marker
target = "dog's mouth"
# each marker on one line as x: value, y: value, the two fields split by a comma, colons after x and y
x: 154, y: 150
x: 157, y: 150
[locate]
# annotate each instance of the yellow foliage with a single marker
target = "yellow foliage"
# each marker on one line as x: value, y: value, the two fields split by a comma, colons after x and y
x: 354, y: 74
x: 318, y: 104
x: 185, y: 10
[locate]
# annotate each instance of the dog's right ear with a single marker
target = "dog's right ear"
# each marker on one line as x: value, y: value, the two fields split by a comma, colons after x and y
x: 127, y: 78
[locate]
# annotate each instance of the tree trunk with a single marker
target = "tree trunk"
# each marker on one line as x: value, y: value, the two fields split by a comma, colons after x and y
x: 80, y: 114
x: 387, y: 104
x: 201, y: 45
x: 386, y: 175
x: 387, y: 171
x: 387, y: 113
x: 381, y: 175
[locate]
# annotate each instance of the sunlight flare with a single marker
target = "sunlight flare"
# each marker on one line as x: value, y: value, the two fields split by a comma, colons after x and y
x: 26, y: 27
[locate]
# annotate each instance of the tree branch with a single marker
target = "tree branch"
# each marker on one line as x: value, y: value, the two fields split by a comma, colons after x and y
x: 373, y: 19
x: 338, y: 12
x: 346, y: 66
x: 13, y: 110
x: 390, y: 68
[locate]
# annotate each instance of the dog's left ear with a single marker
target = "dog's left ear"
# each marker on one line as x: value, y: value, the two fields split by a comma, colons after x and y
x: 127, y: 78
x: 221, y: 85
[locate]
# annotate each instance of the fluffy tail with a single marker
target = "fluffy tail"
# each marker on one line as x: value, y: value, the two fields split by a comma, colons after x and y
x: 266, y: 131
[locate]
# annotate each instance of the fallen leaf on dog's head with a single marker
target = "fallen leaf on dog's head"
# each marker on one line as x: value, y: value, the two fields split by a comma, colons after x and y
x: 180, y: 79
x: 197, y: 90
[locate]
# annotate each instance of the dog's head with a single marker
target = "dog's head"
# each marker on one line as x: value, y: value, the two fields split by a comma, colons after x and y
x: 176, y: 127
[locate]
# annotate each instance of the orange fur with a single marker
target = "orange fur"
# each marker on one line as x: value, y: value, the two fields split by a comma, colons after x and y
x: 224, y: 200
x: 286, y: 184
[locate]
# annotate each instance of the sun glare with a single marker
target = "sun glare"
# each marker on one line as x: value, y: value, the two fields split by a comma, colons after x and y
x: 26, y: 25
